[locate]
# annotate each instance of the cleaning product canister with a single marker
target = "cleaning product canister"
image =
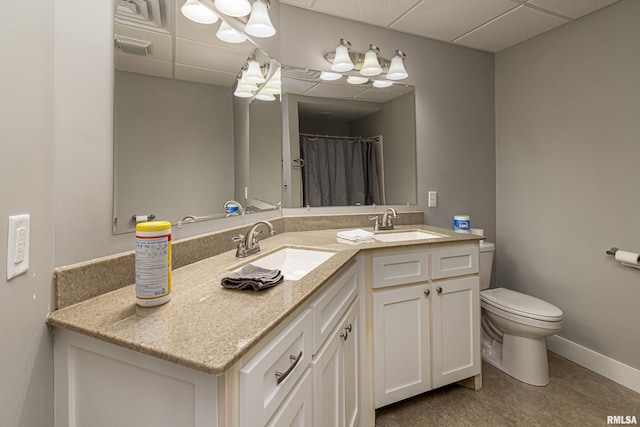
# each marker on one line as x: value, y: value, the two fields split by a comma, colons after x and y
x: 153, y: 263
x: 461, y: 224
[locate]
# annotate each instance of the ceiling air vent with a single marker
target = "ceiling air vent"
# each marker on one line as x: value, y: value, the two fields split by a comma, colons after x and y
x: 133, y: 46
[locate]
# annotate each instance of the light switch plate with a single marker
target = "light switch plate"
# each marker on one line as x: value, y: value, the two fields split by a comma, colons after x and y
x: 433, y: 199
x: 18, y: 245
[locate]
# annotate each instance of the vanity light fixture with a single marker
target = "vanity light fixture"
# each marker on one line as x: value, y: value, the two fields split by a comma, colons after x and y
x: 259, y: 24
x: 205, y: 12
x: 233, y: 7
x: 228, y: 34
x: 276, y: 80
x: 341, y: 62
x: 396, y: 69
x: 371, y: 66
x: 254, y: 72
x: 199, y: 11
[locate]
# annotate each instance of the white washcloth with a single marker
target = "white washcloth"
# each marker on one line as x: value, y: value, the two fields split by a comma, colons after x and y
x: 356, y: 235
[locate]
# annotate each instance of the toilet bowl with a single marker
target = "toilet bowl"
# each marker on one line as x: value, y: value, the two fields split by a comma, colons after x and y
x: 514, y: 327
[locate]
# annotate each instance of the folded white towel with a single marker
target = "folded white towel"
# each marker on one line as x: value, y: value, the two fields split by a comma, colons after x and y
x: 355, y: 235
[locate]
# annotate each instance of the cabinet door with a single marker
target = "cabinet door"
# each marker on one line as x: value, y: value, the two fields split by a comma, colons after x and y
x: 456, y: 330
x: 295, y: 411
x: 401, y: 356
x: 327, y: 384
x: 351, y: 371
x: 336, y: 375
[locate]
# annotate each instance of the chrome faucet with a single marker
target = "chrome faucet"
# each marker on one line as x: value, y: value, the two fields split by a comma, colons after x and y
x: 387, y: 220
x: 248, y: 244
x: 228, y: 208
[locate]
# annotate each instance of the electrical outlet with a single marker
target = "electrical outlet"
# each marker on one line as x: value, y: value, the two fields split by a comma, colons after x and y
x: 18, y: 245
x: 433, y: 199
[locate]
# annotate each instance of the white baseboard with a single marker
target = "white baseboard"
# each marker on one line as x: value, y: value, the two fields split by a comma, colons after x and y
x: 596, y: 362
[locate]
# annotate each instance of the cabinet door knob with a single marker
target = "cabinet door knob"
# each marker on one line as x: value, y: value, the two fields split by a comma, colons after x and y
x: 427, y: 292
x: 439, y: 289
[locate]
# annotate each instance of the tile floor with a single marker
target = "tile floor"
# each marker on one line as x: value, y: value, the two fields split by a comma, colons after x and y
x: 575, y: 397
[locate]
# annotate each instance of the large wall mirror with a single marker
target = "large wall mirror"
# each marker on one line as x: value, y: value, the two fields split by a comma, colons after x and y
x: 322, y: 113
x: 178, y: 126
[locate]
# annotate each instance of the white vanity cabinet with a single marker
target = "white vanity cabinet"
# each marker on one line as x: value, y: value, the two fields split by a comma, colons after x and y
x: 100, y: 384
x: 425, y: 307
x: 309, y: 374
x: 336, y: 362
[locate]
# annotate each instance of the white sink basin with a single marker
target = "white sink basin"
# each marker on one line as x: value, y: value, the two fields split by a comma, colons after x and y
x: 294, y: 263
x: 401, y: 236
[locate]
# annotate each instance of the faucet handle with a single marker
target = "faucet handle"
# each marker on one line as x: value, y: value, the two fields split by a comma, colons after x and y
x: 237, y: 239
x: 377, y: 223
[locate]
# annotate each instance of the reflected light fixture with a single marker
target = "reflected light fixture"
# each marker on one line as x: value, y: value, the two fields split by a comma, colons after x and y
x: 235, y: 8
x: 254, y: 72
x: 357, y: 80
x: 259, y: 24
x: 371, y: 66
x: 382, y: 83
x: 329, y: 76
x: 396, y: 69
x: 342, y: 61
x: 199, y: 12
x: 228, y: 34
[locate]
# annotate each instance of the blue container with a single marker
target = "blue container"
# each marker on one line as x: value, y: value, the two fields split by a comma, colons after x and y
x: 461, y: 224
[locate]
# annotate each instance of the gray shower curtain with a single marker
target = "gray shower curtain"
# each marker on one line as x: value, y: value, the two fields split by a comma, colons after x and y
x: 338, y: 171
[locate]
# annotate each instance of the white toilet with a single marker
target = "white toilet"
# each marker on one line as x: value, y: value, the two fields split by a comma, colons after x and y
x: 514, y: 327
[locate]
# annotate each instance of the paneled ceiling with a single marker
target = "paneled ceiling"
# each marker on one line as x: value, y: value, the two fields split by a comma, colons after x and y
x: 180, y: 48
x: 488, y: 25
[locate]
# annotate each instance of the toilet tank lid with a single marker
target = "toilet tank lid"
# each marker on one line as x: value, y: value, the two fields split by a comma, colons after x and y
x: 487, y: 246
x: 522, y: 304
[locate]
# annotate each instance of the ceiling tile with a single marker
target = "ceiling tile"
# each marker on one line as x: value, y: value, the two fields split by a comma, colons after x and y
x: 336, y: 90
x: 142, y: 65
x: 203, y: 75
x: 572, y: 8
x: 209, y: 56
x: 374, y: 12
x: 160, y: 43
x: 449, y: 19
x: 511, y: 28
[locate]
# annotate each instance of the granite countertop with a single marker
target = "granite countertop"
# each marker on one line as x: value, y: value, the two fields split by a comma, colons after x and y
x: 205, y: 326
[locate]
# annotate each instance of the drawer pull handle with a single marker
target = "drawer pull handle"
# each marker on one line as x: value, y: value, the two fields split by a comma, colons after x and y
x: 427, y: 292
x: 439, y: 289
x: 280, y: 376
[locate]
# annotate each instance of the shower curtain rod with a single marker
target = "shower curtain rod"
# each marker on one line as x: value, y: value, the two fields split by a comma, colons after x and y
x: 377, y: 138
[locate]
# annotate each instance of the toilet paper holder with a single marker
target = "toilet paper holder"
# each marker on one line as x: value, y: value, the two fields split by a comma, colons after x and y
x: 628, y: 259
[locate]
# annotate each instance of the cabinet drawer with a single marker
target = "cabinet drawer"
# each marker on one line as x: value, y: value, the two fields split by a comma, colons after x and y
x: 390, y: 270
x: 454, y: 262
x: 266, y: 380
x: 329, y: 307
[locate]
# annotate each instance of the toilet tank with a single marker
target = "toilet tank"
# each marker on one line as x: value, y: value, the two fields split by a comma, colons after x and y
x: 486, y: 263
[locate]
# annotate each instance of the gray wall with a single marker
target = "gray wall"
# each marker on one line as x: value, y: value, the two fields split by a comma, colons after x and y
x: 174, y: 148
x: 26, y: 186
x: 454, y: 108
x: 567, y: 150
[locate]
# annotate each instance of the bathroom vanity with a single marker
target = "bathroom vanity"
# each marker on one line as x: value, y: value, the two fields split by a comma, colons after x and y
x: 373, y: 324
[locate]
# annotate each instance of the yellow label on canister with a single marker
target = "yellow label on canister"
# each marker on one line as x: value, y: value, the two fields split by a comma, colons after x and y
x: 153, y: 263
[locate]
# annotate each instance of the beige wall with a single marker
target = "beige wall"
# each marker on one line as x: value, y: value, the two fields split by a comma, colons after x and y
x: 567, y: 150
x: 26, y: 186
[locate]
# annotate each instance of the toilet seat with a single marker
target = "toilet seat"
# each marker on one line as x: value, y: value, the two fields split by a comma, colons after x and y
x: 521, y: 304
